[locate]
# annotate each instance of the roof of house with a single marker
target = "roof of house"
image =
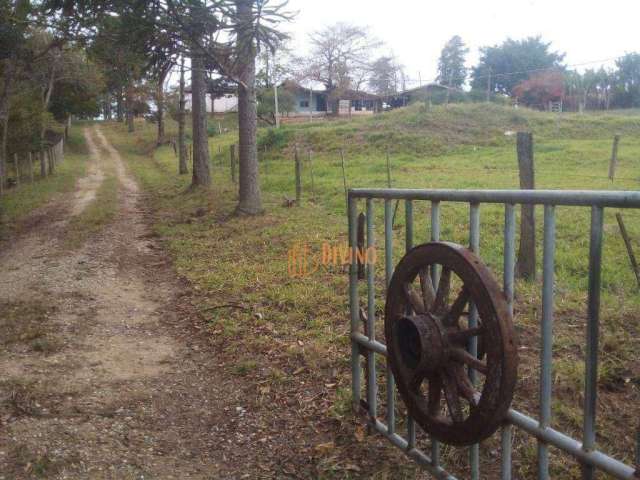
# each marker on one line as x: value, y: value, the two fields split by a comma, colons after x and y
x: 357, y: 95
x: 217, y: 88
x: 292, y: 85
x: 347, y: 94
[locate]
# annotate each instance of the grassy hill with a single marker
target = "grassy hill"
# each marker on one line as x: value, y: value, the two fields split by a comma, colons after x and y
x: 439, y: 130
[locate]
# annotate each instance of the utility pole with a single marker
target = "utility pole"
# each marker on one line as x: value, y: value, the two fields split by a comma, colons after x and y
x: 419, y: 78
x: 489, y: 86
x: 310, y: 108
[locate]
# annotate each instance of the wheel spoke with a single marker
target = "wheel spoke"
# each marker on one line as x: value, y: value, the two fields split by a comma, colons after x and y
x: 465, y: 357
x: 457, y: 309
x: 442, y: 295
x: 428, y: 295
x: 453, y: 401
x: 413, y: 298
x: 461, y: 337
x: 465, y: 387
x: 435, y: 393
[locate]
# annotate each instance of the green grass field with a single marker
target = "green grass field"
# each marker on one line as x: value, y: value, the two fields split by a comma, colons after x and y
x: 244, y: 261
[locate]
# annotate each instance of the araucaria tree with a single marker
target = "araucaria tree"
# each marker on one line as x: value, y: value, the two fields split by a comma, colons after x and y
x: 249, y: 194
x: 451, y: 69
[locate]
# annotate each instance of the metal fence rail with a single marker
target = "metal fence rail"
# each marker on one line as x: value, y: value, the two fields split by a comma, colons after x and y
x: 366, y: 343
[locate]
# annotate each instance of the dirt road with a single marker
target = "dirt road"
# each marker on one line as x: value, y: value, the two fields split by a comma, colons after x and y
x: 100, y: 375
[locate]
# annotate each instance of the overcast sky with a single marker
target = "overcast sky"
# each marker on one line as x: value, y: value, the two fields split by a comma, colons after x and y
x: 416, y: 30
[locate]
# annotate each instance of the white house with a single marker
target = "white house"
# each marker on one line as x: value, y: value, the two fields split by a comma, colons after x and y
x: 348, y: 102
x: 224, y: 104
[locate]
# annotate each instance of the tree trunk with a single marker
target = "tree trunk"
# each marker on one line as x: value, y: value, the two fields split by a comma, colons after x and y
x: 119, y: 106
x: 46, y: 98
x: 3, y: 152
x: 129, y: 108
x: 182, y: 147
x: 9, y: 68
x: 249, y: 193
x: 5, y: 93
x: 107, y: 107
x: 201, y: 175
x: 160, y: 101
x: 43, y: 164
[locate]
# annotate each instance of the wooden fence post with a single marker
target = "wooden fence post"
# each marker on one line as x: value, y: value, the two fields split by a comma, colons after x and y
x: 30, y: 168
x: 344, y: 180
x: 232, y: 161
x: 614, y: 157
x: 43, y: 164
x: 388, y: 170
x: 298, y: 177
x: 313, y: 185
x: 395, y: 209
x: 51, y: 164
x: 627, y: 243
x: 16, y: 164
x: 526, y: 265
x: 264, y: 160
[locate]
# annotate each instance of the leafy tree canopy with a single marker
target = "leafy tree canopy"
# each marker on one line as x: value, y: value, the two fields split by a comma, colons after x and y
x: 512, y: 62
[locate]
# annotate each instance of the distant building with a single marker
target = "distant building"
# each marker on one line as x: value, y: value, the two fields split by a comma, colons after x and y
x: 224, y: 104
x: 340, y: 102
x: 216, y: 103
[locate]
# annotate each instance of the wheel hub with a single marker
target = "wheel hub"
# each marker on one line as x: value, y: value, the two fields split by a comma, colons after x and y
x: 421, y: 344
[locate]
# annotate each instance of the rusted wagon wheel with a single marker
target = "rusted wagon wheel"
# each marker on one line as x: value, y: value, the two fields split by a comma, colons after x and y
x: 427, y: 343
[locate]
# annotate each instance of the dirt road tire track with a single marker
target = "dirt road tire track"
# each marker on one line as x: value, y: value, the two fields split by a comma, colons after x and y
x: 126, y: 392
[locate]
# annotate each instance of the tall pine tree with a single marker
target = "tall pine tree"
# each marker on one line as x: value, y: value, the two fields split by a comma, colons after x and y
x: 451, y: 69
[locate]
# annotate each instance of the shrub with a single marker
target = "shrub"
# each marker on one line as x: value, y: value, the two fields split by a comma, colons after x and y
x: 274, y: 138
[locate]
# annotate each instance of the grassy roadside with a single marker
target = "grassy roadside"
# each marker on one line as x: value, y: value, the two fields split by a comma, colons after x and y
x: 18, y: 202
x: 283, y: 333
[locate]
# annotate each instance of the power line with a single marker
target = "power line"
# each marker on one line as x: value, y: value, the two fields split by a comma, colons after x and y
x: 533, y: 70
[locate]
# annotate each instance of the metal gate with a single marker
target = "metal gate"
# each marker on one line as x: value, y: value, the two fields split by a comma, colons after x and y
x: 365, y: 341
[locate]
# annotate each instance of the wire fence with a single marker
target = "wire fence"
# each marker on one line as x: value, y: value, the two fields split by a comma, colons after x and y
x: 31, y: 165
